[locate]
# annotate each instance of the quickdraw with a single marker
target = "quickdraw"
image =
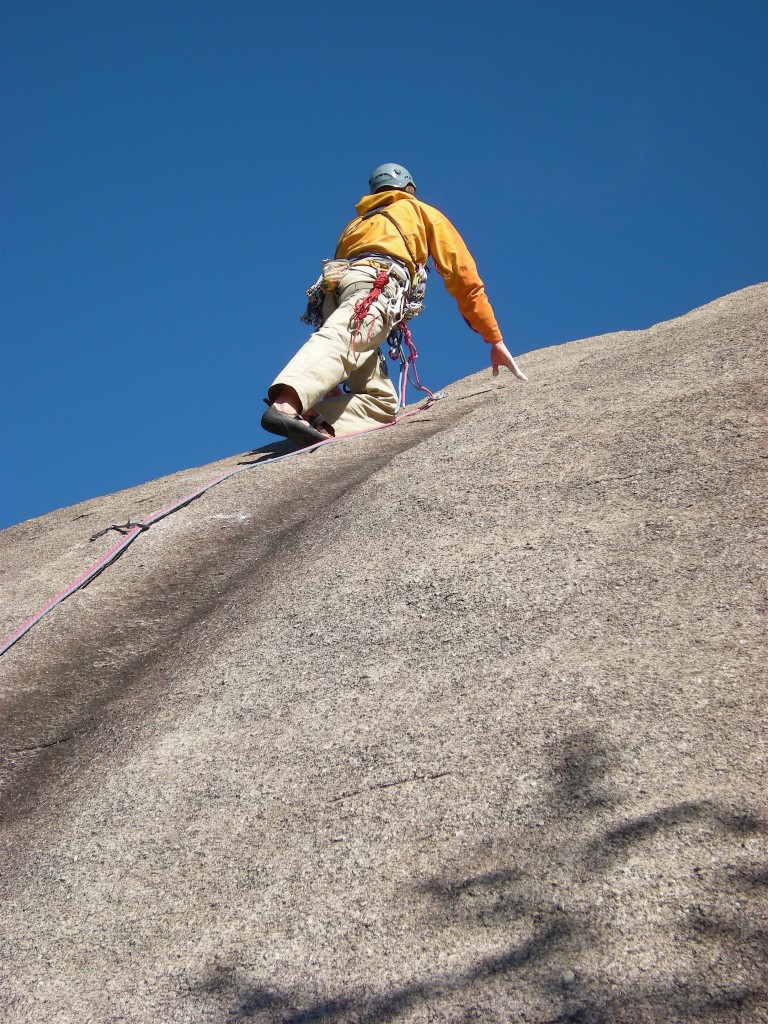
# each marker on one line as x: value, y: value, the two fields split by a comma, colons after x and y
x: 400, y: 343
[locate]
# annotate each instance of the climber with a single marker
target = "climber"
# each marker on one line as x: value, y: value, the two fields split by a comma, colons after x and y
x: 337, y: 383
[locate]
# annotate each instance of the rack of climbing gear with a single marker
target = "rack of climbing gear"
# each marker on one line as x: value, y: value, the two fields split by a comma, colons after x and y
x: 363, y: 308
x: 405, y: 303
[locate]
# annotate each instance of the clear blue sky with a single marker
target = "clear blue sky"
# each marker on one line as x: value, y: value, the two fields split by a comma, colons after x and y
x: 173, y: 173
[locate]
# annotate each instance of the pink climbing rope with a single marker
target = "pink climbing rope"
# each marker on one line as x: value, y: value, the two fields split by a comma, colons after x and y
x: 135, y: 529
x: 402, y: 336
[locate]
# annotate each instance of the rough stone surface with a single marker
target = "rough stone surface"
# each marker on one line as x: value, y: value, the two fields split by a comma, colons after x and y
x: 459, y: 721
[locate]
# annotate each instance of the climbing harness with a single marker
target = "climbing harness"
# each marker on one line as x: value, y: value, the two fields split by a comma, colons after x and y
x: 408, y: 301
x: 405, y: 303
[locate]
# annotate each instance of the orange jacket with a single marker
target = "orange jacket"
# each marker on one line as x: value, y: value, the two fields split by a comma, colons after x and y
x: 428, y: 233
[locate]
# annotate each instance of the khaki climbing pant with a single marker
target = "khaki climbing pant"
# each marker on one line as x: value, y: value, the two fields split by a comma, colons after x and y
x: 328, y: 358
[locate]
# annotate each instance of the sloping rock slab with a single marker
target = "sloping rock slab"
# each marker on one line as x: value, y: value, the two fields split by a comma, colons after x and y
x: 459, y: 721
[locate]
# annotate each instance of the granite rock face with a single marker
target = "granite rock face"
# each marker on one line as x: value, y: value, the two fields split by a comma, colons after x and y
x: 458, y: 721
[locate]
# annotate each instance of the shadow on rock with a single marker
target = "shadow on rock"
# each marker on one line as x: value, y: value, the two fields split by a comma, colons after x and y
x: 647, y: 920
x: 581, y: 776
x: 616, y: 842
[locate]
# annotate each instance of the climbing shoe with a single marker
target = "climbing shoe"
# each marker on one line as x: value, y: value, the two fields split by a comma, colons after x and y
x: 294, y: 428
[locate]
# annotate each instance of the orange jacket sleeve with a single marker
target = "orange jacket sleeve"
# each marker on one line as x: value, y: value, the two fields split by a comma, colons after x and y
x: 459, y: 273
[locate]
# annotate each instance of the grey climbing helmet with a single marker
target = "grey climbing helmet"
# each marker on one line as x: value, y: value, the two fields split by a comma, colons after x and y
x: 390, y: 176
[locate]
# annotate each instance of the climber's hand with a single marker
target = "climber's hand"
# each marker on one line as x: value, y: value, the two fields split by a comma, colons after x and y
x: 501, y: 356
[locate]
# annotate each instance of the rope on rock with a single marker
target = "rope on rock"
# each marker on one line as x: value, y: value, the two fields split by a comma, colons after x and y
x: 135, y: 530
